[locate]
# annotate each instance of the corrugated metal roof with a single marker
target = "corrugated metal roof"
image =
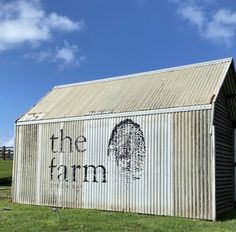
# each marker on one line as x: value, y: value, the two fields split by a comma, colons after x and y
x: 175, y: 87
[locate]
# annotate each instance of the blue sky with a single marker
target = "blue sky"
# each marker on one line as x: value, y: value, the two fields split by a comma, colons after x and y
x: 47, y: 43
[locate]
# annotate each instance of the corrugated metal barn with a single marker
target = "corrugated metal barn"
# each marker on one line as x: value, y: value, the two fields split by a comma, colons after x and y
x: 159, y: 142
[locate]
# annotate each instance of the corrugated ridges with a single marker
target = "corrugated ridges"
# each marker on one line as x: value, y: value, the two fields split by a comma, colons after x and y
x: 181, y: 86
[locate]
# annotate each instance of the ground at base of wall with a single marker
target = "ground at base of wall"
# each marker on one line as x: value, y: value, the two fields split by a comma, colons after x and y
x: 19, y: 217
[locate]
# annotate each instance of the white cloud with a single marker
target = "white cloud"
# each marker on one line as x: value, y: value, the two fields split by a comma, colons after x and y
x: 67, y: 53
x: 194, y: 14
x: 26, y: 22
x: 63, y: 23
x: 218, y: 26
x: 65, y: 56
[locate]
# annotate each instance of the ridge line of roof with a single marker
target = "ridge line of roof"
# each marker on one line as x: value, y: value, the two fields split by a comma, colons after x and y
x: 224, y: 60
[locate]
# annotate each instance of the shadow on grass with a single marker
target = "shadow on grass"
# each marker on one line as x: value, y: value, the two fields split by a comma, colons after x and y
x: 6, y: 181
x: 230, y: 215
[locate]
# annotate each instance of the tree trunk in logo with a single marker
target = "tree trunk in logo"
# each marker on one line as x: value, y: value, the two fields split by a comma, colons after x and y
x: 127, y: 148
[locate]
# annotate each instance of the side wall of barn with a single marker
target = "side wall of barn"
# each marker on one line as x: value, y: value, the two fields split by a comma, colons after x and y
x: 153, y: 164
x: 224, y: 153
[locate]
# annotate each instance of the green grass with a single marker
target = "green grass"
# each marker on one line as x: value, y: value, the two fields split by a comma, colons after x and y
x: 5, y: 178
x: 5, y: 168
x: 18, y: 217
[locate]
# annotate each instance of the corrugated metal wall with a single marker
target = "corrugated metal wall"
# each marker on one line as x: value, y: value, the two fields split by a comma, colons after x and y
x: 154, y: 164
x: 230, y: 91
x: 192, y: 163
x: 224, y: 146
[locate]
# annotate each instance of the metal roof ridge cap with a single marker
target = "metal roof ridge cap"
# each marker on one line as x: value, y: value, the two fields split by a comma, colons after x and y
x: 175, y: 68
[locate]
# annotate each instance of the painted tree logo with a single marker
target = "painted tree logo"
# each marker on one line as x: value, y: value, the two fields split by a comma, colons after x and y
x: 127, y: 147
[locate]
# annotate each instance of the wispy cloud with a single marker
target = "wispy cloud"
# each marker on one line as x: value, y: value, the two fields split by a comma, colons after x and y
x: 142, y: 2
x: 218, y: 26
x: 66, y: 56
x: 26, y: 22
x: 193, y: 14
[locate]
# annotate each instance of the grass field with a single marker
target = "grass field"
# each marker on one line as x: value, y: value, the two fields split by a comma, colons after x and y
x: 5, y: 178
x: 18, y: 217
x: 5, y: 168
